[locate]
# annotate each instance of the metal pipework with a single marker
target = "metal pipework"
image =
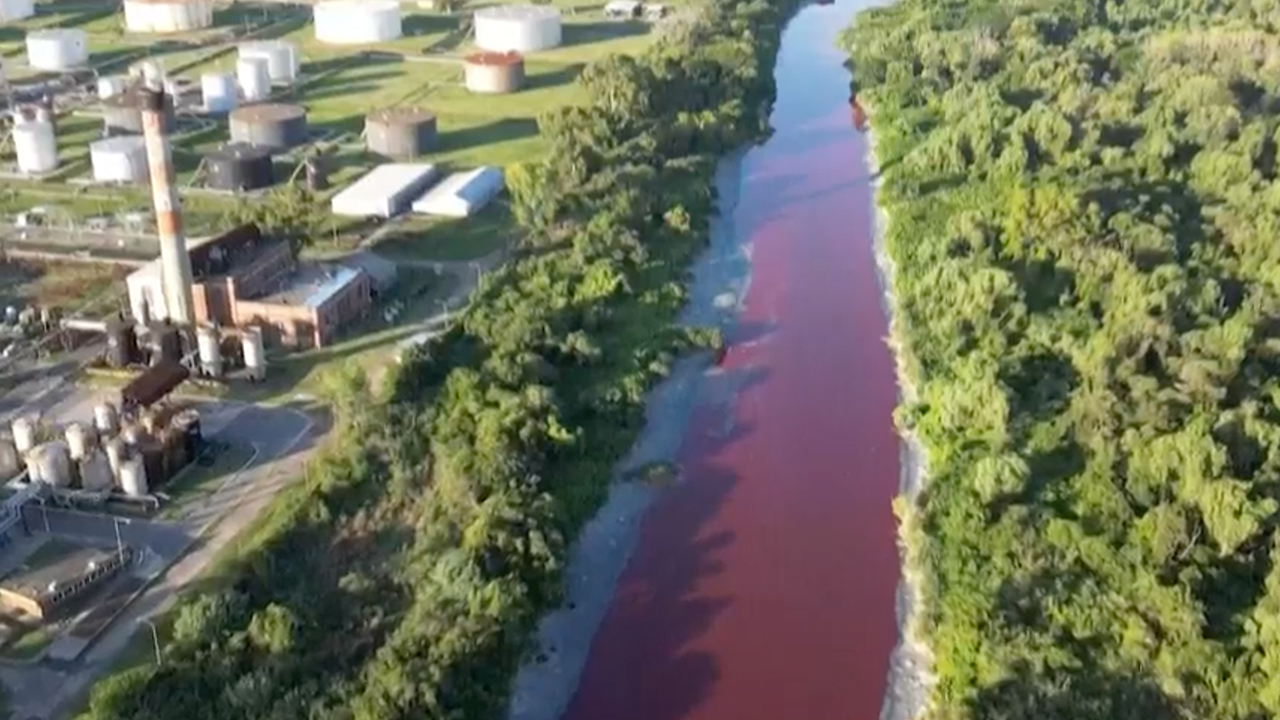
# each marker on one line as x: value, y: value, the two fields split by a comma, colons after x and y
x: 175, y: 264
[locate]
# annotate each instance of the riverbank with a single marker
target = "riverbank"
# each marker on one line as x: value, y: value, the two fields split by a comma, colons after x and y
x: 910, y: 671
x: 546, y: 684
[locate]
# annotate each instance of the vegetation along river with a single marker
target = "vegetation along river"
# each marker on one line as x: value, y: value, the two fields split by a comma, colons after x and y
x: 763, y: 584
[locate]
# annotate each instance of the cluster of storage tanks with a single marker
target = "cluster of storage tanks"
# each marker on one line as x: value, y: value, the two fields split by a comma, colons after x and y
x: 163, y: 342
x: 112, y: 454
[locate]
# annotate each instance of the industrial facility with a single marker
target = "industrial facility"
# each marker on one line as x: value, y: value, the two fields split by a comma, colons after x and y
x: 522, y: 28
x: 357, y: 22
x: 38, y: 594
x: 269, y: 125
x: 243, y: 279
x: 461, y: 194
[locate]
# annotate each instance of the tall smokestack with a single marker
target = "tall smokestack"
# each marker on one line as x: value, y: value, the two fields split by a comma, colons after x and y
x: 175, y: 264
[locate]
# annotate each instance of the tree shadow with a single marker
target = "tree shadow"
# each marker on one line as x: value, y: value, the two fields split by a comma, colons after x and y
x: 497, y: 131
x: 333, y: 86
x: 421, y: 24
x: 1088, y: 692
x: 595, y: 32
x: 554, y: 78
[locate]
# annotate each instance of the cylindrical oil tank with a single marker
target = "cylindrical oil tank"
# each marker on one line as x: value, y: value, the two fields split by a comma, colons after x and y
x: 400, y: 133
x: 255, y: 356
x: 133, y: 477
x: 281, y: 57
x: 317, y: 172
x: 271, y: 125
x: 122, y: 344
x: 49, y: 463
x: 36, y: 147
x: 80, y: 440
x: 95, y: 472
x: 208, y: 345
x: 167, y: 16
x: 111, y: 85
x: 493, y: 72
x: 357, y: 22
x: 57, y: 49
x: 186, y: 426
x: 122, y: 114
x: 14, y: 10
x: 237, y: 167
x: 523, y: 28
x: 24, y: 434
x: 166, y: 343
x: 105, y: 419
x: 10, y: 459
x: 218, y: 91
x: 117, y: 452
x: 119, y: 159
x: 254, y: 77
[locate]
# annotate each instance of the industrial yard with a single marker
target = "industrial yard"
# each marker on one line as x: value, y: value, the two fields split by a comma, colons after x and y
x: 202, y: 204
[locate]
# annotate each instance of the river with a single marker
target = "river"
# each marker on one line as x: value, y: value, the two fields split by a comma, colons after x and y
x: 763, y: 584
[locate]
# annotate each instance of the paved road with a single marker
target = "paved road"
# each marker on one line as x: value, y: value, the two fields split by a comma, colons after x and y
x: 280, y: 436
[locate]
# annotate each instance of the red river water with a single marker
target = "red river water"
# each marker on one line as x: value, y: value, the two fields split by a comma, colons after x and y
x: 762, y: 586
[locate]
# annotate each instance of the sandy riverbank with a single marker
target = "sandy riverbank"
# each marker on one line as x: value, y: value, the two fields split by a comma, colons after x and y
x: 545, y: 686
x: 910, y: 674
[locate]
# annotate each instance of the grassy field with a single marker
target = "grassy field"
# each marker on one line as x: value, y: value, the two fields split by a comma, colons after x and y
x: 61, y: 285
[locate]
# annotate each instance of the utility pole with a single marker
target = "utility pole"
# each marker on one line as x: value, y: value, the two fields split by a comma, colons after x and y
x: 155, y: 639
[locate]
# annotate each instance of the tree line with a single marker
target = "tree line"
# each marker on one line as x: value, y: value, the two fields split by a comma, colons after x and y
x: 403, y: 578
x: 1084, y: 206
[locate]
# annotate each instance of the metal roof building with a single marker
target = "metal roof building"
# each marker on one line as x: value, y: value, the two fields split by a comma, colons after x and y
x: 385, y: 191
x: 462, y: 194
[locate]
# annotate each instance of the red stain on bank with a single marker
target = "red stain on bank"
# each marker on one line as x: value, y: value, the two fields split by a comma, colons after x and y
x: 762, y: 587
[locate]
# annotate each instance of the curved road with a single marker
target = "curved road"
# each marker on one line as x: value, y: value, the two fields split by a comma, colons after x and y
x: 763, y: 586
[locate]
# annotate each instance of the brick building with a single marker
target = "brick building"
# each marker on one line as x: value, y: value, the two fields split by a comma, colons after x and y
x: 242, y: 278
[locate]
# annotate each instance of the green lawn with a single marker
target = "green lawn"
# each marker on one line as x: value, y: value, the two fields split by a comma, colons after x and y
x: 423, y: 238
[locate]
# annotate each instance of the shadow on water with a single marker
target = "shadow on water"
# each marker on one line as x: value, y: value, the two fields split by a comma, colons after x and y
x: 658, y: 606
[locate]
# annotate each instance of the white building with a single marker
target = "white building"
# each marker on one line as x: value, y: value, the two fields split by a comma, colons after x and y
x: 385, y: 191
x: 462, y: 194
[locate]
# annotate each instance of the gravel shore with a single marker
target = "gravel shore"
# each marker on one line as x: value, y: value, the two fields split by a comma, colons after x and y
x: 910, y: 674
x: 546, y: 684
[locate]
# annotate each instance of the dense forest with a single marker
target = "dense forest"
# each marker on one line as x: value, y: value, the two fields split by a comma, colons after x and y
x: 1085, y: 224
x: 404, y: 576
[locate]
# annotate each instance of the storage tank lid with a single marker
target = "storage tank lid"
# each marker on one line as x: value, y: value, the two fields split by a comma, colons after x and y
x: 239, y: 151
x: 268, y: 112
x: 400, y: 116
x: 495, y: 58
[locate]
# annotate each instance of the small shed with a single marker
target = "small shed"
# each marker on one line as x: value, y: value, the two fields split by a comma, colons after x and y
x: 386, y: 191
x: 462, y: 194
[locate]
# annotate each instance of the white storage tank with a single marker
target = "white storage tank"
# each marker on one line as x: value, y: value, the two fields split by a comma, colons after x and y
x: 133, y: 477
x: 116, y: 453
x: 255, y: 357
x: 110, y: 86
x: 57, y: 49
x: 36, y: 147
x: 24, y: 434
x: 80, y: 441
x: 523, y: 28
x: 219, y: 91
x: 119, y: 159
x: 105, y: 419
x: 208, y: 345
x: 254, y: 76
x: 95, y: 472
x: 167, y: 16
x: 13, y: 10
x: 10, y: 459
x: 357, y: 22
x: 281, y: 57
x: 49, y: 463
